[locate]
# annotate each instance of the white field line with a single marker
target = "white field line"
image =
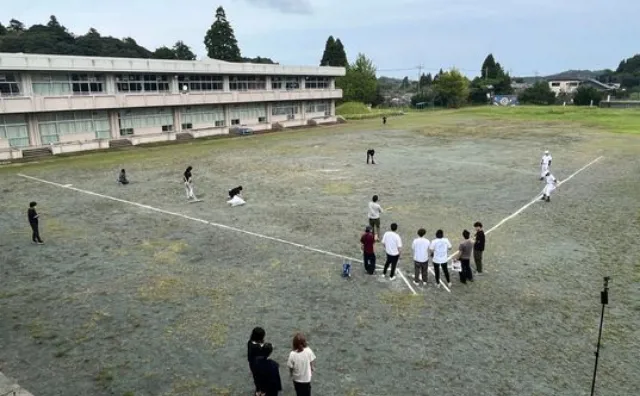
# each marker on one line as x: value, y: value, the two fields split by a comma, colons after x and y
x: 222, y: 226
x: 536, y: 199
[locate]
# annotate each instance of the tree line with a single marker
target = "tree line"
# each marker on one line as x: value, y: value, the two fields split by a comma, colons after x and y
x: 53, y: 38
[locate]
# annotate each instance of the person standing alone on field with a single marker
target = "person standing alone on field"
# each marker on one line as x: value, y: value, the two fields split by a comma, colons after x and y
x: 392, y: 245
x: 367, y: 242
x: 545, y: 164
x: 439, y: 251
x: 374, y: 216
x: 33, y: 217
x: 464, y: 255
x: 302, y: 364
x: 122, y: 178
x: 420, y: 248
x: 478, y: 246
x: 188, y: 183
x: 370, y: 154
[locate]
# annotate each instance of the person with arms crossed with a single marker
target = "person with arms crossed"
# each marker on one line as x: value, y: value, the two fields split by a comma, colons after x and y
x: 545, y: 164
x: 392, y: 245
x: 367, y: 242
x: 478, y: 246
x: 33, y: 217
x: 439, y: 251
x: 302, y: 364
x: 374, y: 216
x: 551, y: 183
x: 420, y: 247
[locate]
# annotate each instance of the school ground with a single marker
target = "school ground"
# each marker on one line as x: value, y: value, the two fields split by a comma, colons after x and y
x: 137, y: 292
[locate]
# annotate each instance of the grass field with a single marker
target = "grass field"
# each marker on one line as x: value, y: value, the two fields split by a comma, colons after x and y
x: 128, y: 300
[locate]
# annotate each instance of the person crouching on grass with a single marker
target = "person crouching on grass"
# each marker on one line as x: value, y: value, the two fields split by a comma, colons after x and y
x: 302, y: 364
x: 439, y: 251
x: 33, y: 217
x: 122, y: 178
x: 367, y: 242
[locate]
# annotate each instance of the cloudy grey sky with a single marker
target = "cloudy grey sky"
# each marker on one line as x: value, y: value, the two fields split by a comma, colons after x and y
x: 526, y: 36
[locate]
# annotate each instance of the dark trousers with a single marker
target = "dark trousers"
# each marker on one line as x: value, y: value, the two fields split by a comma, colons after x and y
x: 375, y: 226
x: 393, y: 261
x: 436, y: 269
x: 421, y: 269
x: 465, y: 274
x: 302, y: 388
x: 369, y: 262
x: 477, y: 258
x: 35, y: 234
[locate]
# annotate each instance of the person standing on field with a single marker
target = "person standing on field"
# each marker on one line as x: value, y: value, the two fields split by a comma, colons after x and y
x: 374, y: 216
x: 370, y: 154
x: 367, y: 242
x: 33, y: 217
x: 267, y: 373
x: 420, y: 247
x: 545, y: 164
x: 392, y: 245
x: 302, y: 364
x: 478, y: 246
x: 464, y: 255
x: 439, y: 251
x: 552, y: 182
x: 254, y: 349
x: 188, y: 183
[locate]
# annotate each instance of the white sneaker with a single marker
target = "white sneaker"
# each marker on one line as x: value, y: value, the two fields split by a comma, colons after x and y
x: 449, y: 285
x: 438, y: 285
x: 416, y: 283
x: 392, y: 278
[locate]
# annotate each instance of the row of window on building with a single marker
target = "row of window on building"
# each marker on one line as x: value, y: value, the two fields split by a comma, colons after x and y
x: 51, y: 126
x: 88, y: 84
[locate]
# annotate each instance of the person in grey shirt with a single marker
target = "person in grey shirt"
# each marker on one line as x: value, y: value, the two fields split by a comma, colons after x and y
x: 464, y: 255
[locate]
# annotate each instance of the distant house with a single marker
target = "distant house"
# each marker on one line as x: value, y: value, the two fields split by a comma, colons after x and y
x: 570, y: 85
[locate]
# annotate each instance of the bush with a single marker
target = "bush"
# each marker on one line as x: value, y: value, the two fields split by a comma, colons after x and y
x: 584, y: 95
x: 539, y: 94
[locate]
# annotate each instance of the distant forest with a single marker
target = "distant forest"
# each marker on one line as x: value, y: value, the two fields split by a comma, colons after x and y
x: 54, y: 38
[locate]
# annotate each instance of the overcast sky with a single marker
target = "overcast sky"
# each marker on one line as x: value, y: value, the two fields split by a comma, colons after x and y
x: 526, y: 36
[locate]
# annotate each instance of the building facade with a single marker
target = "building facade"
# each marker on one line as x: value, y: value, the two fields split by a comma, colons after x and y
x: 69, y: 103
x: 570, y: 85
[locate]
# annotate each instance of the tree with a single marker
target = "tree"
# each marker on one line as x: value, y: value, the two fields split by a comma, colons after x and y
x: 340, y: 56
x: 329, y: 50
x: 426, y: 80
x: 360, y: 82
x: 452, y: 89
x: 585, y: 94
x: 260, y: 60
x: 164, y: 52
x: 220, y: 40
x: 16, y: 26
x: 3, y: 30
x: 538, y: 94
x: 183, y: 52
x: 489, y: 68
x: 405, y: 83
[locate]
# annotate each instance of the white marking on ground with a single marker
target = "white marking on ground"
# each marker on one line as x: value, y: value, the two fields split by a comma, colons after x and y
x: 329, y: 170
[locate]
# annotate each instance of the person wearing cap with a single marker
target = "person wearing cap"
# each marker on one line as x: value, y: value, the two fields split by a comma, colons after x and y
x: 367, y: 242
x: 545, y: 164
x: 549, y: 187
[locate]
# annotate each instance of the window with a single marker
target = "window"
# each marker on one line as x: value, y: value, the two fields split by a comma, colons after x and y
x: 219, y: 123
x: 187, y: 126
x: 9, y: 85
x: 247, y: 113
x: 316, y: 83
x: 145, y: 118
x: 54, y: 125
x: 142, y: 83
x: 167, y: 128
x: 126, y: 131
x: 68, y: 84
x: 14, y: 128
x: 285, y: 108
x: 202, y: 116
x: 235, y: 122
x: 262, y: 119
x: 247, y: 83
x: 574, y: 84
x: 198, y: 82
x: 555, y: 84
x: 287, y: 82
x: 318, y: 107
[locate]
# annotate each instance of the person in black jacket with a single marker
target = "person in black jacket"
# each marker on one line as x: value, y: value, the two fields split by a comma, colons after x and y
x: 478, y: 246
x: 33, y: 216
x: 370, y: 154
x: 254, y: 349
x: 267, y: 373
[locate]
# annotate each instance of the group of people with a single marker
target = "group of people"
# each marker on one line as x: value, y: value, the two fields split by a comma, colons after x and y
x: 266, y: 372
x: 437, y: 251
x: 545, y: 174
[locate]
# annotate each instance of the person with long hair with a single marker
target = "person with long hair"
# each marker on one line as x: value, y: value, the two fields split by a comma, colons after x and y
x: 301, y: 365
x: 254, y: 349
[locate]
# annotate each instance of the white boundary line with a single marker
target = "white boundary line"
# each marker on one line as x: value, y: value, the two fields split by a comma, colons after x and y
x: 223, y: 226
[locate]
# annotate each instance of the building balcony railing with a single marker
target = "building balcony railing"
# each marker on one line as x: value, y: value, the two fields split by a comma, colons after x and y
x: 33, y: 104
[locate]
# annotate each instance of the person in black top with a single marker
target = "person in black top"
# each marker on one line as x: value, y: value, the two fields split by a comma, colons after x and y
x: 267, y: 373
x: 384, y: 120
x: 235, y: 191
x: 188, y: 183
x: 254, y: 349
x: 122, y: 178
x: 33, y: 222
x: 478, y: 246
x: 370, y: 154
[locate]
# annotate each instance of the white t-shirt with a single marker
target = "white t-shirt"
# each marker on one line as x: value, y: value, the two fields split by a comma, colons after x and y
x: 374, y: 210
x: 420, y: 248
x: 392, y: 243
x: 551, y: 180
x: 546, y: 159
x: 440, y: 248
x: 300, y: 364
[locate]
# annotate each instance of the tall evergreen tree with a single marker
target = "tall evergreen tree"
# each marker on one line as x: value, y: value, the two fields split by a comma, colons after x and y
x: 183, y: 52
x: 220, y: 40
x: 489, y: 69
x: 329, y: 50
x: 340, y: 57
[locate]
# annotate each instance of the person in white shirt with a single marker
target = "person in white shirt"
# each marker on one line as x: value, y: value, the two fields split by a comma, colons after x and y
x: 302, y: 364
x: 420, y: 247
x: 392, y: 245
x: 545, y: 164
x: 374, y: 216
x: 188, y: 183
x: 439, y: 252
x: 549, y: 187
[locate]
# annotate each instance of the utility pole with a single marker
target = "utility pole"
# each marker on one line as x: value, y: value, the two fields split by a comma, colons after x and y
x: 420, y: 67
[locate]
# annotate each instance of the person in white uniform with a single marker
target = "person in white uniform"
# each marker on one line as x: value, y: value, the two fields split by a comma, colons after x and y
x: 545, y: 164
x: 549, y: 187
x: 235, y: 197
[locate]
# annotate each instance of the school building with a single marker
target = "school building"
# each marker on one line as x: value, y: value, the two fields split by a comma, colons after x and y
x: 52, y: 104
